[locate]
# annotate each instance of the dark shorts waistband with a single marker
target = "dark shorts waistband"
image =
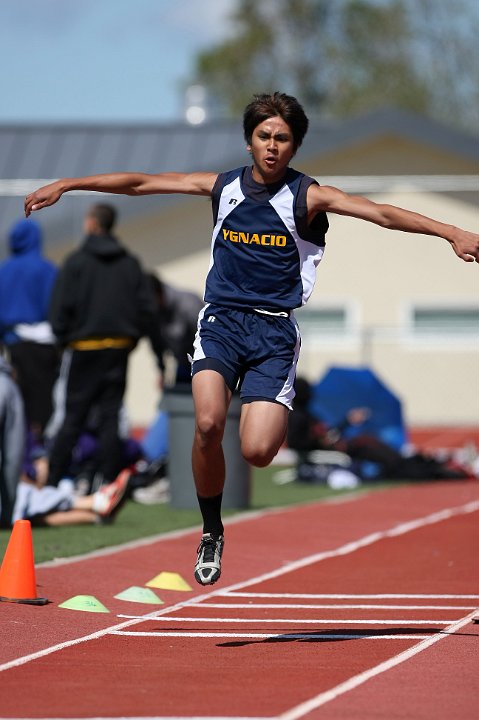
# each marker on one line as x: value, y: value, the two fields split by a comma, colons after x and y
x: 273, y: 312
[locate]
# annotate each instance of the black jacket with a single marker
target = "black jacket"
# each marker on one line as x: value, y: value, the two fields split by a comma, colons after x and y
x: 101, y: 291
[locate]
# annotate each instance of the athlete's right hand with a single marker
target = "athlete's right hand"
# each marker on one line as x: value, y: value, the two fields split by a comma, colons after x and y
x: 43, y: 197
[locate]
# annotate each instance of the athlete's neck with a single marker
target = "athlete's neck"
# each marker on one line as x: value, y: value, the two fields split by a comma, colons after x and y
x: 268, y: 178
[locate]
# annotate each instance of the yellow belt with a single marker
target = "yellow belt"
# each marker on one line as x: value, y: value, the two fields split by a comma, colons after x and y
x: 101, y: 343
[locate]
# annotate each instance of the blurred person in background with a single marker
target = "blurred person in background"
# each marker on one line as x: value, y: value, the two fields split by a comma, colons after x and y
x: 102, y: 304
x: 177, y: 318
x: 177, y: 314
x: 26, y: 284
x: 61, y: 505
x: 308, y: 433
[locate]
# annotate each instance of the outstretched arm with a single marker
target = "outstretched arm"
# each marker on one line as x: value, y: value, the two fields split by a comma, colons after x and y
x: 198, y: 183
x: 329, y: 199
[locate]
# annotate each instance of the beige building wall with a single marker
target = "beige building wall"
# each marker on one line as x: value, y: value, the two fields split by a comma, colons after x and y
x: 381, y: 275
x: 378, y: 275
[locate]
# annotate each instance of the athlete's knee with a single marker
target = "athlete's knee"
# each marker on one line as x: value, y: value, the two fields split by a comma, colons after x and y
x: 209, y: 430
x: 257, y: 453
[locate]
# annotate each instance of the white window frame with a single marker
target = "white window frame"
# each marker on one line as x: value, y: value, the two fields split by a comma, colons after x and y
x: 437, y: 338
x: 348, y: 335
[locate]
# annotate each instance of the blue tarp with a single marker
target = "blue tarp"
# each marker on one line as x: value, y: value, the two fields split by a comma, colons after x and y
x: 343, y: 388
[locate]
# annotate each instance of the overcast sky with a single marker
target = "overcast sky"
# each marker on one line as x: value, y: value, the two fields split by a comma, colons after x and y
x: 102, y: 60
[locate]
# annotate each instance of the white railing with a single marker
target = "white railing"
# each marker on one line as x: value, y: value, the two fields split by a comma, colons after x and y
x: 348, y: 183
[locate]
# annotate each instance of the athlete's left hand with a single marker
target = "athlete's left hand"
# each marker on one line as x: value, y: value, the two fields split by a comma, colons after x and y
x: 465, y: 244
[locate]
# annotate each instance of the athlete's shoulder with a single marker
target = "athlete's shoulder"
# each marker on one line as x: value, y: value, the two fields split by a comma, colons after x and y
x: 298, y: 179
x: 314, y: 230
x: 292, y: 175
x: 224, y: 178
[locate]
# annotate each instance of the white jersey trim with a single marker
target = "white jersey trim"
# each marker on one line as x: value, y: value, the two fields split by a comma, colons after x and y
x: 286, y: 394
x: 231, y: 196
x: 310, y: 255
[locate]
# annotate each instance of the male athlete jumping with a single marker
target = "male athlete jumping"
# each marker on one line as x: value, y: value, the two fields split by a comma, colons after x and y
x: 269, y: 235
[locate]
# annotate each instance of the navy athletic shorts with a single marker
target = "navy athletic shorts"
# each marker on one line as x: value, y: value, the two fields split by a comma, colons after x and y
x: 253, y: 351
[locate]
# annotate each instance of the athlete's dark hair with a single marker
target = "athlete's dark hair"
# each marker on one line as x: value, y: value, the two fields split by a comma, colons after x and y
x: 105, y: 215
x: 278, y: 104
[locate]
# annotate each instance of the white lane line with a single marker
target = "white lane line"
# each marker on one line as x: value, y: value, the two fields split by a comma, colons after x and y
x: 322, y: 698
x: 268, y: 636
x: 296, y: 621
x: 171, y: 535
x: 355, y: 545
x: 419, y: 523
x: 153, y: 615
x: 291, y: 606
x: 341, y: 596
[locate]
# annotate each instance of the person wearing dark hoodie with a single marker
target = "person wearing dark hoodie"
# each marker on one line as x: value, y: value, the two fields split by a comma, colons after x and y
x: 26, y: 283
x: 102, y: 304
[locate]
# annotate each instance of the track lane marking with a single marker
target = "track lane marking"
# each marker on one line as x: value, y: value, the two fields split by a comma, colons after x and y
x: 340, y: 596
x: 268, y: 636
x: 295, y: 606
x: 297, y: 621
x: 350, y: 547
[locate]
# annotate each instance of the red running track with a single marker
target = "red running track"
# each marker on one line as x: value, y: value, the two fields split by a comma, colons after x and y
x: 356, y: 608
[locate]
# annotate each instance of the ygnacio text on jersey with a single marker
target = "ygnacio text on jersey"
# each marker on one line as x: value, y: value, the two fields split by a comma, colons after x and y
x: 254, y: 238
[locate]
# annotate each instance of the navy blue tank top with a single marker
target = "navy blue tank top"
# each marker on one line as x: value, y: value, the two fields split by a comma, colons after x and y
x: 263, y: 254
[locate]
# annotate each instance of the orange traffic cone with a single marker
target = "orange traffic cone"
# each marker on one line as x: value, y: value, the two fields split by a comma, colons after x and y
x: 17, y: 574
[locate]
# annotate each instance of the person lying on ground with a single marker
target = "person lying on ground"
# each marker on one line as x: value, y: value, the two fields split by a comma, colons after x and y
x: 308, y: 433
x: 59, y: 505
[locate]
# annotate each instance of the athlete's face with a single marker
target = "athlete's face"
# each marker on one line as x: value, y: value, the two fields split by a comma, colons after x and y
x: 272, y: 147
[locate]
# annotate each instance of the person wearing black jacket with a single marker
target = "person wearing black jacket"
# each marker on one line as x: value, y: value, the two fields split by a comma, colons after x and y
x: 102, y: 304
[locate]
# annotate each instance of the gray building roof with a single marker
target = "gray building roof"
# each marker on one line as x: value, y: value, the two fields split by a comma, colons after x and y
x: 389, y: 121
x: 38, y: 153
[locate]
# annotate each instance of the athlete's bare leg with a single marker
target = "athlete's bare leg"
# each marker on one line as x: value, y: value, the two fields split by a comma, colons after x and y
x: 262, y: 430
x: 211, y: 397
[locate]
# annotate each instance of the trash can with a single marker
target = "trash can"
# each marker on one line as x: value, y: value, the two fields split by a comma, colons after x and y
x: 178, y: 403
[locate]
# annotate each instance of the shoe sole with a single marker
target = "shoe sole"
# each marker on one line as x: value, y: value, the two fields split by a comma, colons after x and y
x: 209, y: 582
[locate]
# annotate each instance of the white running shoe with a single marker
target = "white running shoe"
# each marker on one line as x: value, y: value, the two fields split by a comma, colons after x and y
x: 155, y: 493
x: 208, y: 564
